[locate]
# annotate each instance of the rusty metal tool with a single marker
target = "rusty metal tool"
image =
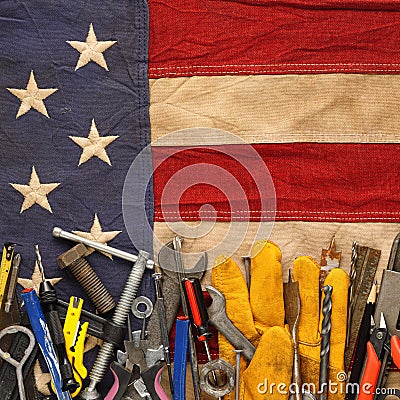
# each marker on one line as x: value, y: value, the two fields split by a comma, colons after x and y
x: 367, y: 260
x: 330, y: 258
x: 74, y: 260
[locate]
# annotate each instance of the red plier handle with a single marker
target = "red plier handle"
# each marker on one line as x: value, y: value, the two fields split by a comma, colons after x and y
x: 371, y: 373
x: 395, y: 350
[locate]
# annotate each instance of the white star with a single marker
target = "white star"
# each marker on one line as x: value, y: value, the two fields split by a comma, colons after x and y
x: 96, y: 233
x: 91, y: 50
x: 93, y: 145
x: 35, y: 192
x: 32, y: 97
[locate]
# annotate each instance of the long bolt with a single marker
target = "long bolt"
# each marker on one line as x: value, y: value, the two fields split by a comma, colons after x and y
x: 325, y: 342
x: 73, y: 259
x: 237, y: 373
x: 119, y: 318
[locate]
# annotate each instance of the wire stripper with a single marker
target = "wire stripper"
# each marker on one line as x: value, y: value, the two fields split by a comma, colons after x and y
x: 75, y: 335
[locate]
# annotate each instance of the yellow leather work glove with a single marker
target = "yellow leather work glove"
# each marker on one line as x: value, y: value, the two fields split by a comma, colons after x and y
x: 306, y: 271
x: 260, y: 316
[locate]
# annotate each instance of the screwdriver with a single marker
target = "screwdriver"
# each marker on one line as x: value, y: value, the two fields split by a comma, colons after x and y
x: 48, y: 301
x: 198, y: 314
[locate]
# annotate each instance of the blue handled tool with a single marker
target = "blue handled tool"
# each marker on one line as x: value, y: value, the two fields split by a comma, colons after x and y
x: 180, y: 357
x: 43, y: 338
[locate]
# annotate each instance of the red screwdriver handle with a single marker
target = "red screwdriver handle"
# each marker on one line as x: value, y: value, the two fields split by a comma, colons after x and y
x: 197, y: 307
x: 194, y: 308
x: 370, y: 376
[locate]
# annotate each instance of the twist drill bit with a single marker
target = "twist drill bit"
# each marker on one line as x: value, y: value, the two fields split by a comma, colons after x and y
x: 353, y: 273
x: 325, y: 342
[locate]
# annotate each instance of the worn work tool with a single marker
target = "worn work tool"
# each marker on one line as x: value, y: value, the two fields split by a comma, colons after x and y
x: 17, y: 349
x: 18, y: 365
x: 363, y: 338
x: 330, y: 258
x: 148, y: 310
x: 247, y: 270
x: 13, y: 282
x: 325, y: 342
x: 217, y: 390
x: 365, y: 268
x: 180, y: 357
x: 43, y: 338
x: 48, y: 301
x: 292, y: 312
x: 197, y: 312
x: 389, y: 294
x: 5, y: 267
x: 147, y: 382
x: 74, y: 260
x: 176, y: 246
x: 219, y: 319
x: 237, y: 373
x: 381, y: 347
x: 59, y: 233
x: 163, y: 326
x: 75, y: 335
x: 119, y: 318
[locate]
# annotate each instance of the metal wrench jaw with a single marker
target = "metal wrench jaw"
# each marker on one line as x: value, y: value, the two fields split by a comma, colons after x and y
x: 219, y: 319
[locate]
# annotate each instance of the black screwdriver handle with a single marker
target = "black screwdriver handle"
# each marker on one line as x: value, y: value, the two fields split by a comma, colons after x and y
x: 48, y: 300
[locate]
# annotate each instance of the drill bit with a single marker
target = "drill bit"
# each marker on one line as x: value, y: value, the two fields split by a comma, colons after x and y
x: 353, y: 274
x: 325, y: 342
x: 39, y: 262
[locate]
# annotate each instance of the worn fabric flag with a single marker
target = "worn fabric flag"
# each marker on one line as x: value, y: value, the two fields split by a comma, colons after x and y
x: 73, y: 117
x: 311, y: 88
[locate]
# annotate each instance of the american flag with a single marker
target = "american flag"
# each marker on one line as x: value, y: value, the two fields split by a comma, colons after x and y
x: 74, y: 115
x: 311, y: 87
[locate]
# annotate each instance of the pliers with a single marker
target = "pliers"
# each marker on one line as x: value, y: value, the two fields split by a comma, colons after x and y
x: 381, y: 347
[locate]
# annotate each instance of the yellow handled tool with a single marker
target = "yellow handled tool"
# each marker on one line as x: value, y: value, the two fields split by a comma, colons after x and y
x: 75, y: 335
x: 5, y: 267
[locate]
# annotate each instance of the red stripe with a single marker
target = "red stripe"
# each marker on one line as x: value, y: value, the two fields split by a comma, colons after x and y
x: 313, y: 182
x: 265, y: 37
